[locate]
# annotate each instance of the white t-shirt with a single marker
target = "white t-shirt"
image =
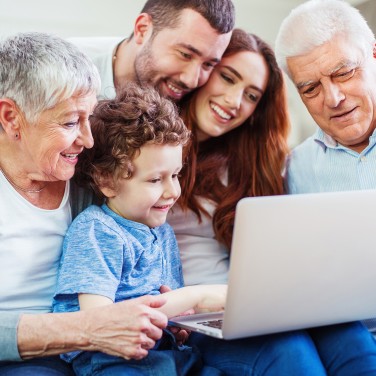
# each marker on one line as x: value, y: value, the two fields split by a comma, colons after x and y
x: 100, y: 50
x: 204, y: 259
x: 30, y: 248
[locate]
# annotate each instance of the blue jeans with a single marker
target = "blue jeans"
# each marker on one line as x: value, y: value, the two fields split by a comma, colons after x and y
x: 346, y: 349
x: 48, y: 366
x: 340, y: 350
x: 166, y: 359
x: 156, y: 363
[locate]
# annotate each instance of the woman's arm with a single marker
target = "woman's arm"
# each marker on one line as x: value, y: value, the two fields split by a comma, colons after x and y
x: 8, y: 336
x: 127, y: 329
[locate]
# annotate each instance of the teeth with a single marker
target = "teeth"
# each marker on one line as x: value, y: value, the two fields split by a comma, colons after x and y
x: 174, y: 89
x: 220, y: 112
x: 161, y: 207
x: 70, y: 156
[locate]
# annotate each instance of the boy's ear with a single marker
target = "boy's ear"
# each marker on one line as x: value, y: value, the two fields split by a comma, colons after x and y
x: 143, y: 28
x: 106, y: 186
x: 108, y: 191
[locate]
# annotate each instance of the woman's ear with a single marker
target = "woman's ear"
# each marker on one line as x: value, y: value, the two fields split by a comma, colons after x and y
x: 9, y: 117
x: 143, y: 28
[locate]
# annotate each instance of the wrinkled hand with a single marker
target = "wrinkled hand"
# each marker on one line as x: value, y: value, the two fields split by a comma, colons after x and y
x: 127, y: 329
x: 181, y: 335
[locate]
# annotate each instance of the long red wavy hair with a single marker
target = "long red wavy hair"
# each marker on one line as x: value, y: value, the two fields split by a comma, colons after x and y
x: 253, y: 154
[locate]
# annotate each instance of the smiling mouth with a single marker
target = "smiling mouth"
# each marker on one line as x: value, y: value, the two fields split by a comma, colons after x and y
x: 343, y: 114
x: 222, y: 114
x: 163, y: 207
x: 69, y: 155
x: 176, y: 91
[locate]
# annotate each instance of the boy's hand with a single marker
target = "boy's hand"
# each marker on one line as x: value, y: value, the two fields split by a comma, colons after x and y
x: 214, y: 299
x: 181, y: 335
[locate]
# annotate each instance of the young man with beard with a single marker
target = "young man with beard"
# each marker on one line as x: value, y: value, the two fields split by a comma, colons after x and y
x: 174, y: 46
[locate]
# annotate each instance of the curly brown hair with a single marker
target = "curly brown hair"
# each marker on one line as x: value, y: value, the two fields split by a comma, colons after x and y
x: 120, y: 127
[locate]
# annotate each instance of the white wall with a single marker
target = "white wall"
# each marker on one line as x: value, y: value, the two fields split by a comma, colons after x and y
x: 116, y: 17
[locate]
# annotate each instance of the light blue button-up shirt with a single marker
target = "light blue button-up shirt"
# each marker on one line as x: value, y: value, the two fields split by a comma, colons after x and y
x: 320, y: 164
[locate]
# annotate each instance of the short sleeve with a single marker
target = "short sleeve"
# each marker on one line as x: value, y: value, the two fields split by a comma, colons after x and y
x: 92, y: 259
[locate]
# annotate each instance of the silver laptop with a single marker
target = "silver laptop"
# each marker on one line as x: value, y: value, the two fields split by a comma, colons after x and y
x: 297, y: 261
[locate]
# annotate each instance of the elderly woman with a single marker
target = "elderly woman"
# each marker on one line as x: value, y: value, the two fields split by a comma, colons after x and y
x: 47, y: 93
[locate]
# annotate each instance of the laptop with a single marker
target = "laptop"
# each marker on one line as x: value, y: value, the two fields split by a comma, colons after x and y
x: 297, y: 261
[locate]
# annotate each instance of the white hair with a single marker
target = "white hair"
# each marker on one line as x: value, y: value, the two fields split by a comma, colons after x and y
x: 39, y: 70
x: 314, y: 23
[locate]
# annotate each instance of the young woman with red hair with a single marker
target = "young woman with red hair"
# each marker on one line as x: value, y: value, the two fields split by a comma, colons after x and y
x: 240, y: 124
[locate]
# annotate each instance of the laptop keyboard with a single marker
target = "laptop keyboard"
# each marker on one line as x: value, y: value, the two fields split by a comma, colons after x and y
x: 212, y: 323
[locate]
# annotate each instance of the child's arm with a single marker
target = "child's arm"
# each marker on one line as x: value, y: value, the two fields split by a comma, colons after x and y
x: 88, y: 301
x: 202, y: 298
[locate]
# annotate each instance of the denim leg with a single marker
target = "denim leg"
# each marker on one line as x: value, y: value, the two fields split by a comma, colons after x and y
x: 346, y: 349
x: 290, y: 354
x: 47, y: 366
x: 156, y: 363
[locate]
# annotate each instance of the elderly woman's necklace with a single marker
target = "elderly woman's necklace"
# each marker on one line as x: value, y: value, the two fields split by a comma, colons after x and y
x: 20, y: 188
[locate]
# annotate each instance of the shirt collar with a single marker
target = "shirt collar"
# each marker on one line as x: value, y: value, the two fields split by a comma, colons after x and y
x: 123, y: 221
x: 326, y: 141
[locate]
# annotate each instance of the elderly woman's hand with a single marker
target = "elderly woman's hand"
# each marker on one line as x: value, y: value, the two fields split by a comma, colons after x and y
x: 127, y: 329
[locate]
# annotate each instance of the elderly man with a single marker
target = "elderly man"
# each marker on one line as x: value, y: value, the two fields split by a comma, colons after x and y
x: 174, y: 46
x: 328, y: 51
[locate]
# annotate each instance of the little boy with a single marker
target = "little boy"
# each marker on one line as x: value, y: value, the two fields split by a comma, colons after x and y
x: 124, y: 249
